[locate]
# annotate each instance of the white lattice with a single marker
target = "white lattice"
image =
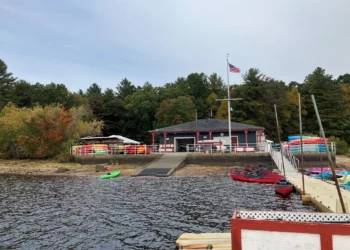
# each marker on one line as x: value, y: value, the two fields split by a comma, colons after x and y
x: 293, y: 216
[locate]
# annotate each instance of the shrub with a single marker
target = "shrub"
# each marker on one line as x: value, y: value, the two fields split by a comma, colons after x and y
x: 65, y: 158
x: 341, y: 146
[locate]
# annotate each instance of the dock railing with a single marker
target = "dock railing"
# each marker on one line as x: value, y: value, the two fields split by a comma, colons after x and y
x: 292, y: 159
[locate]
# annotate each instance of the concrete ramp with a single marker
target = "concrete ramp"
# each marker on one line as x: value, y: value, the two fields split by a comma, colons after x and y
x: 165, y: 165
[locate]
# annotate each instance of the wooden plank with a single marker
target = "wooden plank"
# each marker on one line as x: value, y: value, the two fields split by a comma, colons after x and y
x: 324, y: 195
x: 219, y: 241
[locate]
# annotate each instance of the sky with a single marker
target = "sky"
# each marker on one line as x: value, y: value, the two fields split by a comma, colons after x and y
x: 78, y: 42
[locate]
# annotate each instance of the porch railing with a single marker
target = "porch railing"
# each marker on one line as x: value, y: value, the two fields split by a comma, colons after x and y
x: 236, y: 148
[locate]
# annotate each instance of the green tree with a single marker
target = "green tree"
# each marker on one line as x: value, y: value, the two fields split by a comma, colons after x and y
x: 94, y: 90
x: 199, y: 90
x: 22, y: 94
x: 175, y: 111
x: 7, y: 82
x: 328, y: 97
x: 125, y: 88
x: 217, y: 86
x: 108, y: 95
x: 140, y: 112
x: 95, y: 97
x: 344, y: 79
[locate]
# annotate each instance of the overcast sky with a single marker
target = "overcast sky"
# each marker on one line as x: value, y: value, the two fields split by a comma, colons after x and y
x: 78, y: 42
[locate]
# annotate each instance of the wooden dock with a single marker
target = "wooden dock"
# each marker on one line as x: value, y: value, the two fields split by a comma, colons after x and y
x: 266, y: 230
x: 220, y: 241
x: 322, y: 194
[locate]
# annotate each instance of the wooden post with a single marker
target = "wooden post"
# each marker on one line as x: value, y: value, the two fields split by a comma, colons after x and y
x: 301, y: 145
x: 328, y: 154
x: 246, y: 137
x: 153, y: 135
x: 197, y: 137
x: 164, y: 142
x: 279, y: 138
x: 210, y: 135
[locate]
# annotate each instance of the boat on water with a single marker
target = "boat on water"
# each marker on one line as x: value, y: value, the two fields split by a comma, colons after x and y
x: 257, y: 177
x: 283, y: 187
x: 110, y: 175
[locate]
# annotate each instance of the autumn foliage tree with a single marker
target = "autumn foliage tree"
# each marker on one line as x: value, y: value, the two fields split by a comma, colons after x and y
x: 43, y: 132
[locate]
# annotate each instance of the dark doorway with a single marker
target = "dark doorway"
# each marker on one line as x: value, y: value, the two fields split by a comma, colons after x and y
x: 182, y: 145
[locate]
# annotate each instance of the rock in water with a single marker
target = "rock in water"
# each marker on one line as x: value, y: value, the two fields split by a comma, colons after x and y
x: 61, y: 170
x: 100, y: 168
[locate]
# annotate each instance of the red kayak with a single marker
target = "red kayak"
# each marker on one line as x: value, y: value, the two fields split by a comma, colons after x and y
x: 269, y: 179
x: 283, y: 187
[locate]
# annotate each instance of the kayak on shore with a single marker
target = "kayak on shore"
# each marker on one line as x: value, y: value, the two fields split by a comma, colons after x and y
x: 110, y: 175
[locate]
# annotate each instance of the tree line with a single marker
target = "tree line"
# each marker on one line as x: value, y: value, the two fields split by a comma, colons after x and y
x: 132, y: 111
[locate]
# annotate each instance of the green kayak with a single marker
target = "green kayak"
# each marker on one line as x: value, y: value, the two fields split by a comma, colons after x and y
x: 110, y: 175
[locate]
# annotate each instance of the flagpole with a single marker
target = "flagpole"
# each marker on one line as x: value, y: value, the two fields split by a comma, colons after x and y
x: 228, y: 104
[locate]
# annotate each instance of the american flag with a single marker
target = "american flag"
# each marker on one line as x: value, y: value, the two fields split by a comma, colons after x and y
x: 234, y: 69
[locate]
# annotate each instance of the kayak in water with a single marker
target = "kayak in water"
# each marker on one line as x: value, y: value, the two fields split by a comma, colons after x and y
x: 110, y: 175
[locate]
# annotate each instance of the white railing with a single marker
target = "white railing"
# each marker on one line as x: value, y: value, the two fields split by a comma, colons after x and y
x: 209, y: 148
x: 292, y: 159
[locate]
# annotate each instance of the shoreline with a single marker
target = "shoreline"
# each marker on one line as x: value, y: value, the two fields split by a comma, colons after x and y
x: 49, y: 168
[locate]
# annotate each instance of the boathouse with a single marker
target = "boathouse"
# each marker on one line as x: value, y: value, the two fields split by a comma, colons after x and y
x: 173, y: 138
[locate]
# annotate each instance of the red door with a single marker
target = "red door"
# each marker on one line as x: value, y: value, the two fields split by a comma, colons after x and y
x: 234, y: 141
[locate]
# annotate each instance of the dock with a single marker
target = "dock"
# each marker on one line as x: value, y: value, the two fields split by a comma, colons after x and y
x: 321, y: 194
x: 220, y: 241
x: 266, y: 230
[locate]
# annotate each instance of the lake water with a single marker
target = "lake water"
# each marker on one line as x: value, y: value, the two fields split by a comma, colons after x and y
x: 124, y: 213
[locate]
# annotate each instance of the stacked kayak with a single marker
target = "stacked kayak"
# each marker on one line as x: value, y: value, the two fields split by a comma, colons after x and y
x: 110, y: 175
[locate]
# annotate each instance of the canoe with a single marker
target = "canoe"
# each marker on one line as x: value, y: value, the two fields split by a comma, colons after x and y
x: 110, y: 175
x: 268, y: 179
x: 283, y: 187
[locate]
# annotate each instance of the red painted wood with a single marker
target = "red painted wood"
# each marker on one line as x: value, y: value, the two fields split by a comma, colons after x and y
x: 325, y: 230
x: 164, y: 142
x: 326, y: 241
x: 153, y: 135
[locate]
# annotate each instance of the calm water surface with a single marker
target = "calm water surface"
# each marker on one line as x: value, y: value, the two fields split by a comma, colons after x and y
x: 123, y: 213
